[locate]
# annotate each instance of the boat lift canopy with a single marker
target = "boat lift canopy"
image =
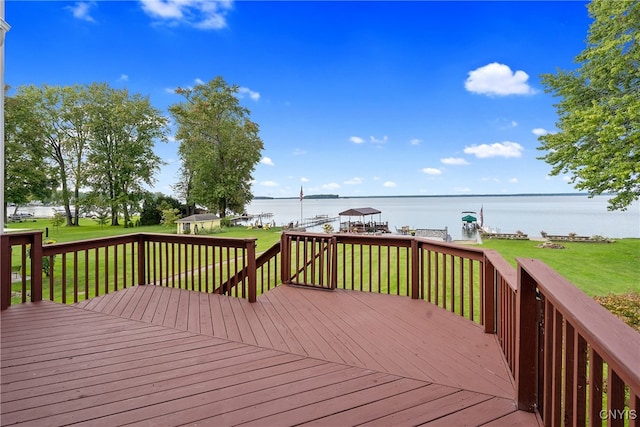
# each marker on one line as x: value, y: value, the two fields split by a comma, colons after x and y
x: 360, y: 212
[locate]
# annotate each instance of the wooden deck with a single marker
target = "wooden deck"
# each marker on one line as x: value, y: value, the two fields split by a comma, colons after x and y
x: 151, y: 355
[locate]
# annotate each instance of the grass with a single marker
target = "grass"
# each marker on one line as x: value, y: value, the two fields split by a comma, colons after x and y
x: 595, y: 268
x: 88, y: 229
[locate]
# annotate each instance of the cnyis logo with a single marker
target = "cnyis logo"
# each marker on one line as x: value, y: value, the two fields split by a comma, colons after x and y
x: 618, y: 414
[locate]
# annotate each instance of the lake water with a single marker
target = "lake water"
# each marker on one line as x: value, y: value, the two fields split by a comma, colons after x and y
x: 555, y: 214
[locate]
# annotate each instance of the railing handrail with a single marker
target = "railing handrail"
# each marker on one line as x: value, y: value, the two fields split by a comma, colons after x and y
x: 616, y: 342
x: 506, y: 270
x: 100, y: 242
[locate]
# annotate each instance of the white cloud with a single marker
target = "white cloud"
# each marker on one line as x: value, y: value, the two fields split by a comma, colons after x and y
x: 513, y: 180
x: 375, y: 140
x: 299, y: 152
x: 81, y: 10
x: 455, y: 161
x: 356, y: 140
x: 267, y: 161
x: 170, y: 90
x: 498, y: 79
x: 539, y: 131
x: 415, y: 141
x: 354, y: 181
x: 201, y: 14
x: 269, y: 184
x: 499, y: 149
x: 330, y: 186
x: 304, y: 179
x: 431, y: 171
x: 389, y: 184
x: 124, y: 78
x: 246, y: 91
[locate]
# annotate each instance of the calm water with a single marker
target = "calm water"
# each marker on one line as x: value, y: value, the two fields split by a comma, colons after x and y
x: 507, y: 214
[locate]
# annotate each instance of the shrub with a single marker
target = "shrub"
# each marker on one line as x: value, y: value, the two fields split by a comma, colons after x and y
x: 625, y: 306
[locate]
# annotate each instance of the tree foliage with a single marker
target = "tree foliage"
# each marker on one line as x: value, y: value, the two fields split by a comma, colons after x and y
x: 121, y: 157
x: 27, y: 174
x: 598, y: 141
x: 82, y: 137
x: 153, y: 205
x: 60, y: 123
x: 219, y: 146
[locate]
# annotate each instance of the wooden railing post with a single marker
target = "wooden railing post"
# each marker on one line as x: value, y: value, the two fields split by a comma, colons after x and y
x: 334, y: 262
x: 489, y: 300
x: 5, y: 272
x: 251, y: 269
x: 526, y: 342
x: 142, y: 260
x: 415, y: 269
x: 36, y: 266
x: 285, y: 259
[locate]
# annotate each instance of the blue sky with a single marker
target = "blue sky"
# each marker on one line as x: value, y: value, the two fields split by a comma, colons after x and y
x: 352, y: 98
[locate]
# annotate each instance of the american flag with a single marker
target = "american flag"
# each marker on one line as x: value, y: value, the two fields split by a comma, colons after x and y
x: 301, y: 193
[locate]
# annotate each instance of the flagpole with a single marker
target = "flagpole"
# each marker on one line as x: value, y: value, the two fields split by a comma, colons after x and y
x: 301, y: 198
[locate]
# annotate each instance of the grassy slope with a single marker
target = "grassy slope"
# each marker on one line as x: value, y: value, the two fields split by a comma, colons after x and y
x: 595, y: 268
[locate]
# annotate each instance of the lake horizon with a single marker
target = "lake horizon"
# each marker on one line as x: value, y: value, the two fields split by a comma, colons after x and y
x: 557, y: 213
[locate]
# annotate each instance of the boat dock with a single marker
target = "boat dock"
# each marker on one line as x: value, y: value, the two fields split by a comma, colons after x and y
x: 311, y: 222
x: 251, y: 217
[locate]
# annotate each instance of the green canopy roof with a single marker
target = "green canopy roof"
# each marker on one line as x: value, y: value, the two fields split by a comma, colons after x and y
x: 469, y: 218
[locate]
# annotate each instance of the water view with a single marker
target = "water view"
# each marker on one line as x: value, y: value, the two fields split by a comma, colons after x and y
x: 555, y: 214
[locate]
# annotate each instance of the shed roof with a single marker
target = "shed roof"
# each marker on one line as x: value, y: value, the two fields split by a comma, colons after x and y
x: 360, y: 212
x: 199, y: 217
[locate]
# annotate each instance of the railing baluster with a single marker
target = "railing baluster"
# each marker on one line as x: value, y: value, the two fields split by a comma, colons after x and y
x: 595, y: 387
x: 23, y: 256
x: 75, y: 276
x: 115, y: 268
x: 86, y: 274
x: 569, y: 370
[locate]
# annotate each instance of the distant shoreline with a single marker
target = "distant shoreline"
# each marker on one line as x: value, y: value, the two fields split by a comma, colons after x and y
x: 312, y: 197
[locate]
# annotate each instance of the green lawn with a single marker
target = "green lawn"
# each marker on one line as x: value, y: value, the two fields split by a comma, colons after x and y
x: 88, y: 229
x: 595, y: 268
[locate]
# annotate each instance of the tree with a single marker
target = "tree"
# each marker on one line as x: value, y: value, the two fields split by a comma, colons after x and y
x: 184, y: 188
x: 27, y: 175
x: 598, y: 141
x: 219, y: 146
x: 61, y: 122
x: 153, y: 205
x: 124, y: 129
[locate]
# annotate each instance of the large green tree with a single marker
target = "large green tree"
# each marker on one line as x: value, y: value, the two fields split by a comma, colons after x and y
x: 598, y: 138
x: 219, y: 146
x: 61, y: 124
x: 27, y: 173
x: 121, y: 159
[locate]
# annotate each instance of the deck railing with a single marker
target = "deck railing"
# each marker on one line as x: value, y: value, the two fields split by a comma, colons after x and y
x: 570, y: 350
x: 571, y: 360
x: 446, y: 275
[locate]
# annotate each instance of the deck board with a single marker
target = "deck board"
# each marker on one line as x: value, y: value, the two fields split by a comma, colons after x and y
x: 296, y: 356
x: 382, y: 332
